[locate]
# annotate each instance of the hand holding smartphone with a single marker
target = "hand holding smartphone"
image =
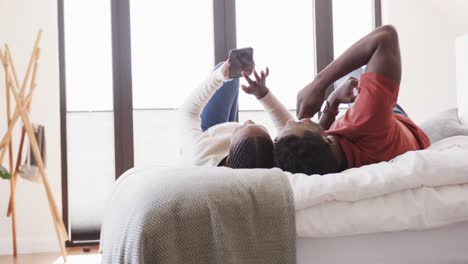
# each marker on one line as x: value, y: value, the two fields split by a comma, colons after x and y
x: 241, y: 60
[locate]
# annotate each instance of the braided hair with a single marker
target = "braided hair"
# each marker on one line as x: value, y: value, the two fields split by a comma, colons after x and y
x: 251, y: 152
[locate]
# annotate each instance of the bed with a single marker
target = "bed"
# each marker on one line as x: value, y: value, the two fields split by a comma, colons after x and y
x: 446, y: 244
x: 413, y: 209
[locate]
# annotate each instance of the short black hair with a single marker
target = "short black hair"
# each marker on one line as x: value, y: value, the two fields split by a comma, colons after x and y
x: 251, y: 152
x: 309, y: 154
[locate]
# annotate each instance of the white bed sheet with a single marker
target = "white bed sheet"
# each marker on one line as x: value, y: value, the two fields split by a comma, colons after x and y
x: 415, y: 191
x: 446, y: 245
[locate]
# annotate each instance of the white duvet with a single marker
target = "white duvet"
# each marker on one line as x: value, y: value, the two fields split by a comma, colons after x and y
x: 417, y: 190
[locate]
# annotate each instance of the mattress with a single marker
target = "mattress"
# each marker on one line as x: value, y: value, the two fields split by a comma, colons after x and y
x: 448, y: 244
x: 415, y: 191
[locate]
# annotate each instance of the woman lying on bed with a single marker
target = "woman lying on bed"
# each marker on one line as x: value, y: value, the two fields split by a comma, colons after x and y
x: 210, y: 135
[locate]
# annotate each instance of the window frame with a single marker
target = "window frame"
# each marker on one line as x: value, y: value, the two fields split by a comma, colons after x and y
x: 224, y: 26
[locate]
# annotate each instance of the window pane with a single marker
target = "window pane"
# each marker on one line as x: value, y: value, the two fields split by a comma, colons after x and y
x: 157, y: 141
x: 352, y: 20
x: 90, y: 117
x: 172, y: 50
x: 91, y: 168
x: 281, y: 34
x: 88, y: 55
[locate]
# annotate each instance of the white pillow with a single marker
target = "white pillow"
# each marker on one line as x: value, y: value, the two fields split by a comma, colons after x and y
x: 443, y: 125
x: 462, y: 77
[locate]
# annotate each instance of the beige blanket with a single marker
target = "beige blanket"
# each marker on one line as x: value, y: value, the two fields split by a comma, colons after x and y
x: 195, y: 215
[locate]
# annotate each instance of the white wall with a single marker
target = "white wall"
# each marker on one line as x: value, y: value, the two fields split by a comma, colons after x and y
x: 462, y: 77
x: 19, y: 23
x: 427, y: 31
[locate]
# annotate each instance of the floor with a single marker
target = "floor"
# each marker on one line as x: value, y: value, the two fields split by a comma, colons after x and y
x: 75, y: 255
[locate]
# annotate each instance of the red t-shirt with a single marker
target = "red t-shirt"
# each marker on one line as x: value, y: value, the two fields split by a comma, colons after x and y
x: 370, y: 132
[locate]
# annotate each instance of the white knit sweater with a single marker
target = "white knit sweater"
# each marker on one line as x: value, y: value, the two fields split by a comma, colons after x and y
x: 210, y: 147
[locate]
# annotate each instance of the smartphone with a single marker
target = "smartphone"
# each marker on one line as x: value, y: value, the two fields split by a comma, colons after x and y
x: 241, y: 60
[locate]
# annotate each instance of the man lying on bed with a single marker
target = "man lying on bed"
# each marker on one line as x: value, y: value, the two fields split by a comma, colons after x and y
x: 371, y: 131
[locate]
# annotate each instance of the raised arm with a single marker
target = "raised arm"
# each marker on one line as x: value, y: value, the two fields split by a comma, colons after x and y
x: 379, y: 50
x: 343, y: 95
x: 275, y: 109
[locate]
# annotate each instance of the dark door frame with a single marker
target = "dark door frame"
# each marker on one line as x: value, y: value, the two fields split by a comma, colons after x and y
x: 122, y: 83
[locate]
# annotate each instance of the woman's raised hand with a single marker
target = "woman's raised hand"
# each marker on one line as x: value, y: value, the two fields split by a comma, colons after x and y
x: 257, y: 87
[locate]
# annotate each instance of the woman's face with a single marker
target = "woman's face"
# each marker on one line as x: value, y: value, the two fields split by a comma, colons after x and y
x: 249, y: 129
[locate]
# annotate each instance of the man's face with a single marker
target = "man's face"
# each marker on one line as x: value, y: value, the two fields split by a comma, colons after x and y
x: 298, y: 128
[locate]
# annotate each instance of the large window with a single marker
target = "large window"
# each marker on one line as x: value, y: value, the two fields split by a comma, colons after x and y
x: 281, y: 34
x: 172, y: 51
x: 89, y: 113
x: 351, y: 21
x: 131, y: 63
